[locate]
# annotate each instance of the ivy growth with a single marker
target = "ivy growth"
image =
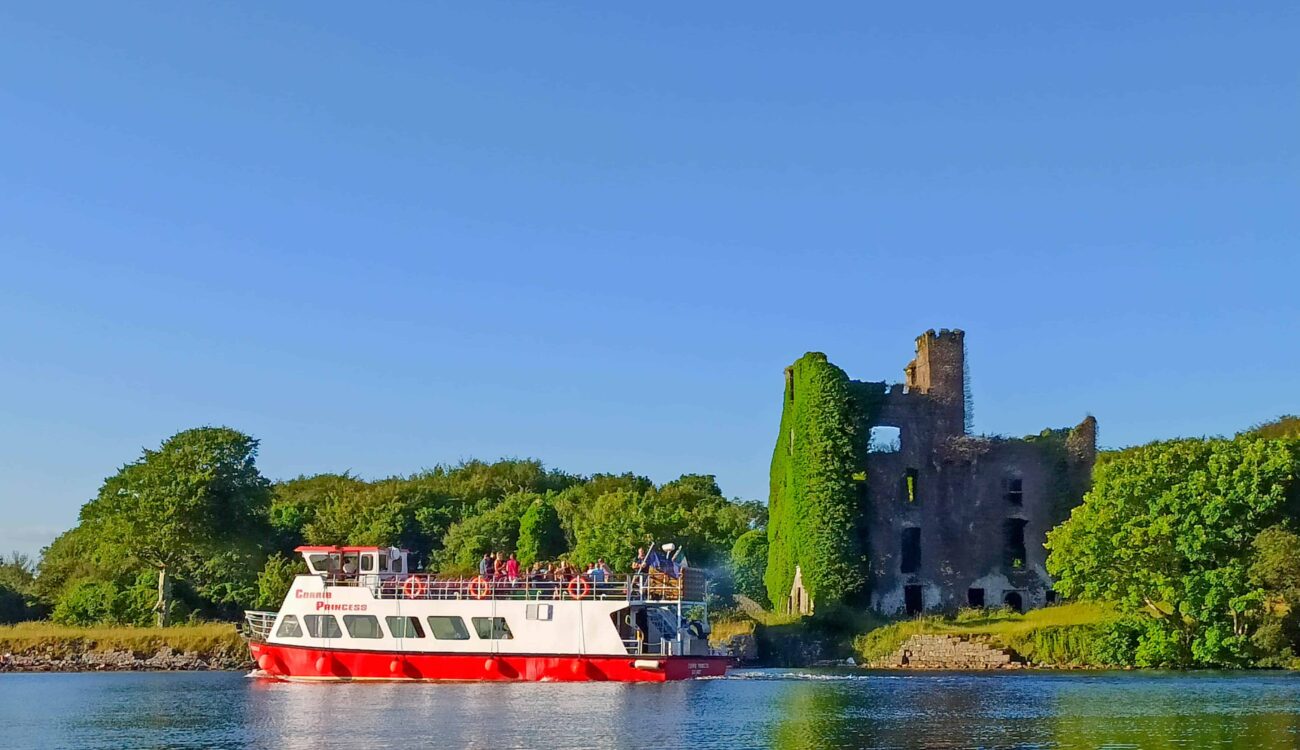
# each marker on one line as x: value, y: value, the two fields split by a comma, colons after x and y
x: 815, y: 506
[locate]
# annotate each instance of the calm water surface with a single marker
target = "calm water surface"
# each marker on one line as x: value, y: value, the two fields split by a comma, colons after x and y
x: 753, y: 708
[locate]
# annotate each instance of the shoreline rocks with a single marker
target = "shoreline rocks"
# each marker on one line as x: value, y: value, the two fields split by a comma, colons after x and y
x: 164, y: 659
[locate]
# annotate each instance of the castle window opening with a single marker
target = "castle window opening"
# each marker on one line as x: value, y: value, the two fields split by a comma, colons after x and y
x: 913, y: 599
x: 1015, y: 490
x: 1013, y: 600
x: 975, y: 598
x: 908, y: 485
x: 911, y: 557
x: 885, y: 439
x: 1050, y: 597
x: 1014, y: 548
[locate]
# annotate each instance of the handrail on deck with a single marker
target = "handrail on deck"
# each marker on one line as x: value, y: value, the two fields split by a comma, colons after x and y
x: 634, y: 588
x: 258, y: 624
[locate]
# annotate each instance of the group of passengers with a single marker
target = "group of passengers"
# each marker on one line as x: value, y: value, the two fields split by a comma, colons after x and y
x: 504, y: 568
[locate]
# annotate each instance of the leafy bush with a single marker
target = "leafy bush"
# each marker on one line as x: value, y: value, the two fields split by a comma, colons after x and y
x: 87, y: 603
x: 275, y: 580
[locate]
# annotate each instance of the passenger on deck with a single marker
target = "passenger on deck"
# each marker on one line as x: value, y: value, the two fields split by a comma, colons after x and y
x: 512, y: 569
x: 485, y: 565
x: 636, y: 582
x: 598, y: 572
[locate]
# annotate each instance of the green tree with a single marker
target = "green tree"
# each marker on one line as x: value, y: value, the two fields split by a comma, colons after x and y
x: 174, y: 509
x: 493, y: 530
x: 749, y: 564
x: 276, y: 579
x: 540, y: 535
x: 1168, y: 531
x: 1276, y: 571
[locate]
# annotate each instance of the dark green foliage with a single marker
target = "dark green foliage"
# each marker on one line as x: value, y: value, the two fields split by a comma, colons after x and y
x: 749, y: 564
x: 1169, y: 532
x: 815, y: 507
x: 541, y: 537
x: 13, y: 606
x: 18, y: 598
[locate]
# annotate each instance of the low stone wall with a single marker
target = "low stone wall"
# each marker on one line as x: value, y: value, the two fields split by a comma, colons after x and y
x: 949, y: 652
x: 163, y: 660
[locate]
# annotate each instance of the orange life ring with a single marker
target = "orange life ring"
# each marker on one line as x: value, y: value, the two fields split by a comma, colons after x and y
x: 579, y: 588
x: 478, y: 587
x: 413, y: 588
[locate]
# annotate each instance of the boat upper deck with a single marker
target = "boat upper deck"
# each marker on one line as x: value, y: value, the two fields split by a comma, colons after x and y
x: 690, y: 587
x: 385, y: 572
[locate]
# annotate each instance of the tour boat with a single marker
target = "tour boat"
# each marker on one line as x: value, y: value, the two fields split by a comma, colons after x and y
x: 360, y: 614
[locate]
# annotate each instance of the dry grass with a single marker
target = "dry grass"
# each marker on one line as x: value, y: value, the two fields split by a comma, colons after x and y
x: 46, y: 637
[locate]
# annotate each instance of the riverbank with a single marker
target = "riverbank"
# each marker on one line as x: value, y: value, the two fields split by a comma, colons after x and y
x: 47, y: 647
x: 1067, y: 636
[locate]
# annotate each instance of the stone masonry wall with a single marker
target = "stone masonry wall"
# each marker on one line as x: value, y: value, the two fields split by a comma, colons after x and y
x: 949, y: 652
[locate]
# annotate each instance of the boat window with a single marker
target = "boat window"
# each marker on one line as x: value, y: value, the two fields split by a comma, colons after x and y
x: 538, y: 612
x: 319, y: 563
x: 395, y: 565
x: 322, y: 626
x: 350, y: 563
x: 493, y: 628
x: 405, y: 627
x: 368, y: 563
x: 448, y: 628
x: 362, y: 626
x: 383, y: 562
x: 289, y: 628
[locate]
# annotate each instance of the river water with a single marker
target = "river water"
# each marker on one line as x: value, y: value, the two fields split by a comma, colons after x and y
x: 752, y: 708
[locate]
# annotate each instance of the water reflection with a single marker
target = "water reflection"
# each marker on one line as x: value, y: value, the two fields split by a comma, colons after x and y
x: 759, y: 708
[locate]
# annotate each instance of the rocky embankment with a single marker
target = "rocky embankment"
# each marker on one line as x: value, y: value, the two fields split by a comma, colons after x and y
x: 164, y: 659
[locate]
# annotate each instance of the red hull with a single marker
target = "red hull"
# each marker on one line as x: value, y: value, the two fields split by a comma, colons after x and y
x: 298, y: 663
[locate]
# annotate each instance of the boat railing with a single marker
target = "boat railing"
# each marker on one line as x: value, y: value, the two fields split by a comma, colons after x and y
x: 688, y: 587
x: 258, y: 625
x: 638, y: 647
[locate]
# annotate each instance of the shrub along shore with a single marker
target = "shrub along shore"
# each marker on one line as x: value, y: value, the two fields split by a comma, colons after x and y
x: 48, y: 647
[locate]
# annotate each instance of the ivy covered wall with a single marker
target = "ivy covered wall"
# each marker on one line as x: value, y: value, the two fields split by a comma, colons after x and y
x: 815, y: 504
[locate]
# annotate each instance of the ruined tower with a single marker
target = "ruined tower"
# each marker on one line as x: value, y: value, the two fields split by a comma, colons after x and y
x: 938, y: 371
x: 944, y: 519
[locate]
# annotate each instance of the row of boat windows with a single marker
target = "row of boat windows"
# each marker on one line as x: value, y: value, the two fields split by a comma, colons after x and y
x: 441, y: 627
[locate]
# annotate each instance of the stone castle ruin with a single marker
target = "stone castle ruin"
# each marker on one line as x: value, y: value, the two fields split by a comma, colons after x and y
x: 944, y: 519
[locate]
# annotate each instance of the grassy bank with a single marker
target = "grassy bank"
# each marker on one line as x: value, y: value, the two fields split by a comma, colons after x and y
x: 1065, y: 635
x: 209, y: 639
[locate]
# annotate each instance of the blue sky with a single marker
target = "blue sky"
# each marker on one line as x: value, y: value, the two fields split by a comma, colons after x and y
x: 596, y: 233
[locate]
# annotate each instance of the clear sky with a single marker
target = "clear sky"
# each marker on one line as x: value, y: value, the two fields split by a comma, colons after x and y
x: 381, y: 238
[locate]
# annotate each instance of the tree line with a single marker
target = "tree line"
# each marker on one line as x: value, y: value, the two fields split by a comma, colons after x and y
x: 193, y: 530
x: 1197, y: 543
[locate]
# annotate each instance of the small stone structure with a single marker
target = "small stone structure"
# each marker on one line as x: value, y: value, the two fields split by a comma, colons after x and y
x: 949, y: 652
